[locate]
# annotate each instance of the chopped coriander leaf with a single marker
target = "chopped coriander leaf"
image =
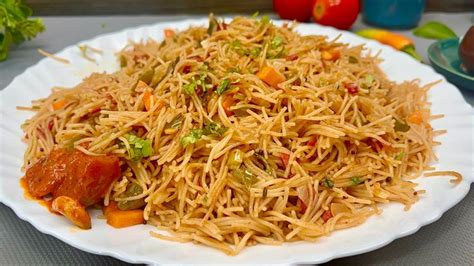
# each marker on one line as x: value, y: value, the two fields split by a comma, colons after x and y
x: 214, y: 128
x: 255, y: 15
x: 328, y: 183
x: 356, y: 180
x: 223, y: 86
x: 276, y: 42
x: 190, y: 88
x: 138, y: 147
x: 235, y: 44
x: 400, y: 156
x: 264, y: 20
x: 213, y: 23
x: 192, y: 137
x: 255, y: 52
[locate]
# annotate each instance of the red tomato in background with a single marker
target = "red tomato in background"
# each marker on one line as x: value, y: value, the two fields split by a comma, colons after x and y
x: 299, y: 10
x: 340, y: 14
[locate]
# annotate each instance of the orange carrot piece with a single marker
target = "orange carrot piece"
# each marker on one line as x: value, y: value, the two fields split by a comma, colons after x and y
x: 416, y: 118
x: 110, y: 208
x: 271, y: 76
x: 149, y: 100
x: 120, y: 219
x: 59, y: 104
x: 332, y: 54
x: 169, y: 33
x: 227, y: 102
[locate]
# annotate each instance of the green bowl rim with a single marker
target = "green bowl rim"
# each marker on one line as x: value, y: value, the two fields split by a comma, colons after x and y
x: 454, y: 71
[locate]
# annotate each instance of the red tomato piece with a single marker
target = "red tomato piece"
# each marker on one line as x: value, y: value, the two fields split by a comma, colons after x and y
x: 326, y: 215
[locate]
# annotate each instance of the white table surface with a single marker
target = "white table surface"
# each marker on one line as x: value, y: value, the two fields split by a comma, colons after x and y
x: 449, y: 241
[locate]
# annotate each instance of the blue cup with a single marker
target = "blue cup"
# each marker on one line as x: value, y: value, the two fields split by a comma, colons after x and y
x: 393, y: 14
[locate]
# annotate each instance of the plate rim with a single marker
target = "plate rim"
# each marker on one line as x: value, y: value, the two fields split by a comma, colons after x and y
x: 136, y: 258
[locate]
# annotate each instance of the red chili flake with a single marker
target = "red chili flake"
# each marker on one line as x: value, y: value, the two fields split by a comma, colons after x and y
x: 327, y: 215
x: 292, y: 57
x: 352, y: 88
x: 312, y: 142
x: 301, y: 205
x: 186, y: 69
x: 94, y: 111
x: 50, y: 124
x: 374, y: 144
x: 285, y: 159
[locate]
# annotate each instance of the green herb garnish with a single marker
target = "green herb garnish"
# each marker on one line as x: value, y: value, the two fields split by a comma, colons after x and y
x: 15, y: 27
x: 328, y: 183
x: 138, y: 147
x: 192, y: 137
x: 190, y: 88
x: 210, y: 129
x: 400, y: 156
x: 223, y: 86
x: 356, y: 180
x: 276, y: 42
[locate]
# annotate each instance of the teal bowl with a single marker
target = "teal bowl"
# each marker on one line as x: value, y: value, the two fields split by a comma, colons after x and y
x: 444, y: 57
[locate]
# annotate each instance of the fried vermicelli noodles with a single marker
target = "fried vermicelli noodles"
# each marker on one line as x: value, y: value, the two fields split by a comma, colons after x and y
x: 246, y: 133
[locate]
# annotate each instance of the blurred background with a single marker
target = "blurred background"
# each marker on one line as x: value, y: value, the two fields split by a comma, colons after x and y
x: 130, y: 7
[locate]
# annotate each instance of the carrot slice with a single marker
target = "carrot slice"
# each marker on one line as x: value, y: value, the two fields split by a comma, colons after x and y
x: 59, y: 104
x: 271, y: 76
x: 227, y: 102
x: 110, y: 208
x: 120, y: 219
x: 416, y: 118
x: 149, y: 100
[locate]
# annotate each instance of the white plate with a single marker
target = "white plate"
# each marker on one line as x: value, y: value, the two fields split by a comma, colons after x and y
x: 135, y: 244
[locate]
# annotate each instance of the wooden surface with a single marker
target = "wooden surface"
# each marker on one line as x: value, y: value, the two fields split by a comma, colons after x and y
x: 132, y: 7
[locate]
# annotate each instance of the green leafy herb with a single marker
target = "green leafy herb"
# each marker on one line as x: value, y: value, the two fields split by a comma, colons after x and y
x: 139, y: 148
x: 205, y: 199
x: 210, y: 129
x: 276, y: 42
x: 15, y: 27
x: 328, y: 183
x: 235, y: 44
x: 401, y: 126
x: 264, y: 20
x: 356, y: 180
x: 255, y: 52
x: 213, y: 128
x: 400, y: 156
x: 353, y: 60
x: 255, y: 15
x: 223, y: 86
x: 245, y: 176
x: 435, y: 30
x: 190, y: 88
x: 192, y: 137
